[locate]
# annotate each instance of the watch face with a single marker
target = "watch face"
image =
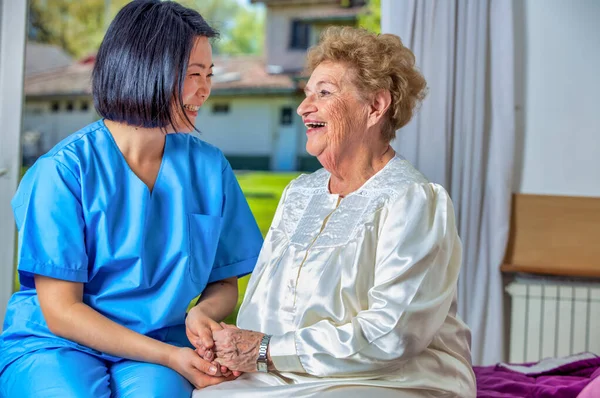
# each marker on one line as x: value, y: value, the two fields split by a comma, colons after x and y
x: 261, y: 366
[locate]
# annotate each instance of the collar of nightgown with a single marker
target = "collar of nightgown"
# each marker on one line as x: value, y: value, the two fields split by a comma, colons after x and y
x: 309, y: 203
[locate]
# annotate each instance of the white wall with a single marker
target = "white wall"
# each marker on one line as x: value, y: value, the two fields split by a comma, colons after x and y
x: 279, y: 29
x: 250, y: 128
x: 247, y: 129
x: 55, y: 126
x: 558, y: 92
x: 252, y: 125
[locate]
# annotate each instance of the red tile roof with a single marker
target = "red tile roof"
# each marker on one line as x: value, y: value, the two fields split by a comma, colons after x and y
x: 72, y: 79
x: 335, y: 11
x: 341, y: 3
x: 44, y: 57
x: 233, y: 74
x: 247, y: 72
x: 332, y: 14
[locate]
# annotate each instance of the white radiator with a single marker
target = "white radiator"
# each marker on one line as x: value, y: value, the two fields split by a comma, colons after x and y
x: 551, y: 318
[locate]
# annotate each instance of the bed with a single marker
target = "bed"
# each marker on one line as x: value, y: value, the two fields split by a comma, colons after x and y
x: 553, y: 242
x: 563, y: 377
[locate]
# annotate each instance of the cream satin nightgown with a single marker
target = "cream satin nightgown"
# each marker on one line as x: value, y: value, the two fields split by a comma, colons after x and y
x: 359, y: 293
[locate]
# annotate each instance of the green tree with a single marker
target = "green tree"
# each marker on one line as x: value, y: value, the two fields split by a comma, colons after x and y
x: 241, y: 28
x: 218, y: 13
x: 371, y: 18
x: 246, y: 35
x: 78, y: 26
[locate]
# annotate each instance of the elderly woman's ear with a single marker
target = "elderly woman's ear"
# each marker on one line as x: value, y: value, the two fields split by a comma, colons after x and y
x: 380, y: 103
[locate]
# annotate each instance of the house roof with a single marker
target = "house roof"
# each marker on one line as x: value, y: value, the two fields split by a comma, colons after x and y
x: 336, y: 11
x: 293, y: 2
x: 44, y: 57
x: 249, y: 74
x: 242, y: 74
x: 341, y: 3
x: 332, y: 14
x: 74, y: 79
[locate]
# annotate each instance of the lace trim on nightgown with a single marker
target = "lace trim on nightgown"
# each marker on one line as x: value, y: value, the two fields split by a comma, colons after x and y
x: 309, y: 202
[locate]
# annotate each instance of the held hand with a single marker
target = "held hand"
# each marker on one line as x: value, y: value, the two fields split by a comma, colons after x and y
x: 236, y: 373
x: 196, y: 370
x: 237, y: 349
x: 209, y: 355
x: 199, y: 329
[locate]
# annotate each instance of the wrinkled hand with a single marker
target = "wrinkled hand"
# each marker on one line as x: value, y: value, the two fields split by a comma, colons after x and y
x: 237, y: 349
x: 196, y: 370
x: 199, y: 329
x: 209, y: 355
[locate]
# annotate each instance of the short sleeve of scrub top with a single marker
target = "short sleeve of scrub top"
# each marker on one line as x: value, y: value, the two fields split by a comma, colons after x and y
x: 49, y: 218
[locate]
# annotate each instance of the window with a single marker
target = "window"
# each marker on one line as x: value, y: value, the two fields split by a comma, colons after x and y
x: 352, y: 3
x: 35, y: 108
x: 220, y: 108
x: 286, y: 116
x: 84, y: 106
x: 300, y: 35
x: 55, y: 106
x: 69, y: 106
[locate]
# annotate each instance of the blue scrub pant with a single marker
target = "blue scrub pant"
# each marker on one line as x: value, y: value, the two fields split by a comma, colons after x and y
x: 68, y: 373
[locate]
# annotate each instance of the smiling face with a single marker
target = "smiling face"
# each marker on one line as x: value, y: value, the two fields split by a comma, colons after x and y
x: 333, y: 112
x: 196, y: 85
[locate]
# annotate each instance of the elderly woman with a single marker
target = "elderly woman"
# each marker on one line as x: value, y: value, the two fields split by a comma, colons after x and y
x: 354, y: 291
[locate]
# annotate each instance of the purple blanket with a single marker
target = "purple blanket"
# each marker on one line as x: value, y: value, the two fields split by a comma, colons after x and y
x: 549, y: 378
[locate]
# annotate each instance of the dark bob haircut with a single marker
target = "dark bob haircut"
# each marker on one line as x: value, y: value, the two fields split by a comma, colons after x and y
x: 142, y: 62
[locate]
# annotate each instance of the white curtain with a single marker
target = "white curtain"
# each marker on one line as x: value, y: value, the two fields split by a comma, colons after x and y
x: 463, y: 138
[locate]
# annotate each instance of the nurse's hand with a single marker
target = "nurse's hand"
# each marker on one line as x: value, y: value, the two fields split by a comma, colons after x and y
x: 199, y: 329
x: 196, y: 370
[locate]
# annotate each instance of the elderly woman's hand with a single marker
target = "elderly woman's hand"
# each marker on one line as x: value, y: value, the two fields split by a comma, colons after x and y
x: 199, y: 329
x: 237, y: 349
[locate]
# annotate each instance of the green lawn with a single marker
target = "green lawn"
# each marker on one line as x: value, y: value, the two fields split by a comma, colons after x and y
x: 262, y: 190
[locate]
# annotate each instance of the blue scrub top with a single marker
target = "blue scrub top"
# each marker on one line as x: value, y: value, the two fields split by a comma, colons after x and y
x: 84, y: 216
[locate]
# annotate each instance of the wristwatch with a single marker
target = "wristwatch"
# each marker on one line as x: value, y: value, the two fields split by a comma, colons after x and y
x: 261, y: 362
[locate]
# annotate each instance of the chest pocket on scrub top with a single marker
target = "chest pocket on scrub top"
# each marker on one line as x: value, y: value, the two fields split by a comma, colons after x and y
x: 203, y: 236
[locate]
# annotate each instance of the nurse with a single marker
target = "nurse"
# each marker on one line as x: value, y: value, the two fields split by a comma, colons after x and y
x: 123, y: 223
